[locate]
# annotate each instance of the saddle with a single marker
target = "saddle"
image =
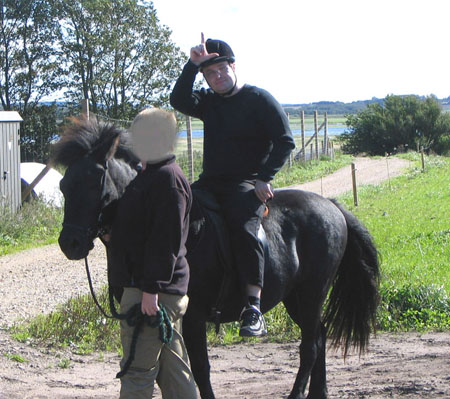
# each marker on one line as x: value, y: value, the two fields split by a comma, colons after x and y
x: 207, y: 224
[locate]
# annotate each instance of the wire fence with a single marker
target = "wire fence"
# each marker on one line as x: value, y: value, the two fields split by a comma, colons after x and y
x: 312, y: 140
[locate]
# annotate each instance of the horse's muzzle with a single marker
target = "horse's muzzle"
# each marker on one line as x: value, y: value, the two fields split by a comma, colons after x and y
x: 75, y: 243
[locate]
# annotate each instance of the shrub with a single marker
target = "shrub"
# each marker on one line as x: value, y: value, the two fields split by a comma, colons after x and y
x: 399, y: 122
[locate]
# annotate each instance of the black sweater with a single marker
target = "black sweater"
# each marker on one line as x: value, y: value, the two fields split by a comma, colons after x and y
x: 149, y: 232
x: 246, y: 136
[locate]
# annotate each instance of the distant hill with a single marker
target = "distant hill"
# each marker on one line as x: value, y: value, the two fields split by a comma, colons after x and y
x: 333, y: 108
x: 340, y: 108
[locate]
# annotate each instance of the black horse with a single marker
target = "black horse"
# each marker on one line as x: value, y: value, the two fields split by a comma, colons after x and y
x: 318, y: 254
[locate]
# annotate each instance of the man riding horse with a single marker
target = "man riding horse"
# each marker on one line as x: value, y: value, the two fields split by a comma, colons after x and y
x: 247, y: 140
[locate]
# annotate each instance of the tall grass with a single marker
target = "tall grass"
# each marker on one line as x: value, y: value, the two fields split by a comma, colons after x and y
x: 36, y: 223
x: 77, y: 324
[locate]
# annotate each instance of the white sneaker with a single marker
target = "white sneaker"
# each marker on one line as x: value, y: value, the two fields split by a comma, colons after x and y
x: 252, y: 322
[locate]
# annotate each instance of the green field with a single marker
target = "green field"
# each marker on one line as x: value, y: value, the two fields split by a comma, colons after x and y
x: 410, y: 222
x: 409, y: 219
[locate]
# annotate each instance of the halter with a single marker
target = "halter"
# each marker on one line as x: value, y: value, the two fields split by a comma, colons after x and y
x: 97, y: 230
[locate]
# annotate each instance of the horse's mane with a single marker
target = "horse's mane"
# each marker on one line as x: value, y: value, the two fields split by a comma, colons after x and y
x: 82, y: 136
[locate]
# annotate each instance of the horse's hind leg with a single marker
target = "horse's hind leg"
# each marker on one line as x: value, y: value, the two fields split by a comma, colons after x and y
x: 318, y: 382
x: 306, y: 312
x: 194, y: 334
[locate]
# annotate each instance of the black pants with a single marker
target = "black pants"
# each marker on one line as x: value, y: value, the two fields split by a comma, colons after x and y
x: 242, y: 211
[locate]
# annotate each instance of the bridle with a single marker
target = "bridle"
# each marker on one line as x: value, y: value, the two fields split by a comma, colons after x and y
x: 91, y: 233
x: 97, y: 230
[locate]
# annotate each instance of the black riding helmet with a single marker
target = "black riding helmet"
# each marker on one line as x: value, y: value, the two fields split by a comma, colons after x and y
x: 219, y: 47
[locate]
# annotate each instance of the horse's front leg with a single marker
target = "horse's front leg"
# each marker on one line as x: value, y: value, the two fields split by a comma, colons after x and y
x: 194, y: 334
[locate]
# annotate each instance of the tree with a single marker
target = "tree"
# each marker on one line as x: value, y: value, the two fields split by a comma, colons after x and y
x: 41, y: 130
x: 29, y: 69
x: 118, y: 55
x: 398, y: 122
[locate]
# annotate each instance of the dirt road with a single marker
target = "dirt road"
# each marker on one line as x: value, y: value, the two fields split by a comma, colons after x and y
x: 35, y: 281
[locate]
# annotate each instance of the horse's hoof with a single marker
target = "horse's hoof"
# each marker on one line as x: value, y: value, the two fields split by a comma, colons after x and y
x: 296, y: 396
x: 320, y: 396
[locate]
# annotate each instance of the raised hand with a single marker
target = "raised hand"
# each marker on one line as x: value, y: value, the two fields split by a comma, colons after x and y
x: 199, y: 53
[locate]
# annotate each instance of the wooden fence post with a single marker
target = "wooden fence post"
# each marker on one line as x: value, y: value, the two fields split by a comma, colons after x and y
x: 355, y: 192
x: 85, y: 108
x: 422, y: 158
x: 302, y: 116
x: 291, y: 155
x: 189, y: 147
x: 27, y: 191
x: 316, y: 132
x: 325, y: 135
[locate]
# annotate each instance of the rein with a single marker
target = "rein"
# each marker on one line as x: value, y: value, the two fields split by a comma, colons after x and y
x: 134, y: 318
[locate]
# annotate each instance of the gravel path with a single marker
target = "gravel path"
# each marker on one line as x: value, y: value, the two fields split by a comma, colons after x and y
x: 368, y: 171
x: 37, y: 280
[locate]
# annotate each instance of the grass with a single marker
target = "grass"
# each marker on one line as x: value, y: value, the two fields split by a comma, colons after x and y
x: 410, y: 222
x: 16, y: 358
x: 35, y: 224
x: 408, y: 219
x: 413, y: 240
x: 77, y: 324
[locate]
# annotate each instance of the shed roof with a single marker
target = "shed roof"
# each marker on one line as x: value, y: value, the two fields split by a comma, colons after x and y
x: 10, y: 116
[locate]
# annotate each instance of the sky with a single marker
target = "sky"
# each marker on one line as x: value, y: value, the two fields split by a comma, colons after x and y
x: 324, y: 50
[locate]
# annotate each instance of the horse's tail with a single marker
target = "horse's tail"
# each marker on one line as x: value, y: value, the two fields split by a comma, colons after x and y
x: 350, y: 314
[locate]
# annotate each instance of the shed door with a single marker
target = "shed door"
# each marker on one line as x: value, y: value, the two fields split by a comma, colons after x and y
x: 10, y: 190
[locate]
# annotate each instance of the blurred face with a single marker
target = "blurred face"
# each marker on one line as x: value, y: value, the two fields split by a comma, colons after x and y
x: 220, y: 77
x: 154, y: 134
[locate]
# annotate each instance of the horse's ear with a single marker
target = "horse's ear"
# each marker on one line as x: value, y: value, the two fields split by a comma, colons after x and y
x: 107, y: 149
x: 113, y: 148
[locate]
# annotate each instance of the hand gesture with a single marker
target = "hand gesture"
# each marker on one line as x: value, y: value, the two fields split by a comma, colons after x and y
x: 199, y: 53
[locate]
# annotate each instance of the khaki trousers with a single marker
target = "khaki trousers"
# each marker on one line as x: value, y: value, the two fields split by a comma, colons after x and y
x: 167, y: 364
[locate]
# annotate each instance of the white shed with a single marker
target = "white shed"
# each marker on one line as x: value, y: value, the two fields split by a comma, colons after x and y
x: 10, y: 187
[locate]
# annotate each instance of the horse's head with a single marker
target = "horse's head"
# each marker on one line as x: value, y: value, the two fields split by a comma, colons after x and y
x: 99, y: 166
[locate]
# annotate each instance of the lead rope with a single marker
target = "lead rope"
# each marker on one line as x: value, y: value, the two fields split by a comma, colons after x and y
x: 134, y: 317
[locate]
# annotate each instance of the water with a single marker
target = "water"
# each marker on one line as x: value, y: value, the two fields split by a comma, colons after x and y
x: 332, y: 131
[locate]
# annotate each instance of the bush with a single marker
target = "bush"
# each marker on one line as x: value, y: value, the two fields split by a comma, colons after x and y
x: 414, y: 308
x: 442, y: 145
x: 400, y: 122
